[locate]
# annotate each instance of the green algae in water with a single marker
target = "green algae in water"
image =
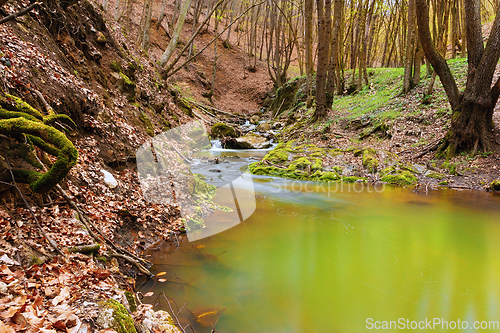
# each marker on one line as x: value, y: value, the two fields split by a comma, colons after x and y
x: 325, y: 262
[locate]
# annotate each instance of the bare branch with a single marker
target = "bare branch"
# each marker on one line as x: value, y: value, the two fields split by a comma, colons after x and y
x: 20, y: 13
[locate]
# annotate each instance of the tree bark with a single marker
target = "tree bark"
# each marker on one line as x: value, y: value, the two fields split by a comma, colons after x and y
x: 177, y: 33
x: 323, y: 45
x: 308, y: 10
x: 472, y: 110
x: 410, y: 48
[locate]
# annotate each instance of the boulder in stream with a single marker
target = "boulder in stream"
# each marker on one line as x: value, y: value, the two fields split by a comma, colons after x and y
x: 220, y: 130
x: 264, y: 127
x: 249, y: 141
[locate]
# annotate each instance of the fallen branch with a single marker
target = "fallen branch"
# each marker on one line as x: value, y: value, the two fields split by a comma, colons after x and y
x: 85, y: 248
x: 430, y: 147
x: 130, y: 257
x: 19, y: 13
x: 134, y: 262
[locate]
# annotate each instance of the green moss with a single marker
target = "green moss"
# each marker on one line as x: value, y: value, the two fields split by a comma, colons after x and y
x: 276, y: 156
x: 300, y: 163
x: 435, y: 175
x: 14, y: 103
x: 66, y: 158
x: 131, y: 301
x: 495, y: 185
x: 338, y: 170
x: 369, y: 160
x: 115, y: 66
x: 220, y: 130
x: 353, y: 179
x: 149, y: 126
x: 387, y: 171
x: 200, y: 188
x: 356, y: 152
x: 123, y: 322
x: 317, y: 165
x: 129, y: 84
x: 403, y: 178
x: 259, y: 168
x: 443, y: 183
x: 329, y: 177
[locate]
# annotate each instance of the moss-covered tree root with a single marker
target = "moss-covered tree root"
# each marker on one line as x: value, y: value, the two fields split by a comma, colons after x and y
x: 22, y: 119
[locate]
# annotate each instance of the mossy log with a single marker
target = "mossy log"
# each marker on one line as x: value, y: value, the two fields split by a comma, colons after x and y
x: 18, y: 119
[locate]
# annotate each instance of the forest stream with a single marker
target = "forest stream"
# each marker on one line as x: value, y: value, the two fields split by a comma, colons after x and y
x: 313, y: 259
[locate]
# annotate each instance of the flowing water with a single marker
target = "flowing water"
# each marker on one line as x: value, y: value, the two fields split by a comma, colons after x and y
x: 313, y: 260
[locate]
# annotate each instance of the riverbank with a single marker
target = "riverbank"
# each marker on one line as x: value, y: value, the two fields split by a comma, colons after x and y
x: 375, y: 135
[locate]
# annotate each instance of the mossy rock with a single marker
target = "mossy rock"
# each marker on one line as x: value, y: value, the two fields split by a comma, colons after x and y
x: 114, y: 315
x: 401, y: 178
x: 300, y: 163
x: 370, y: 163
x: 495, y: 185
x: 276, y: 156
x: 330, y: 177
x: 434, y: 175
x: 220, y: 130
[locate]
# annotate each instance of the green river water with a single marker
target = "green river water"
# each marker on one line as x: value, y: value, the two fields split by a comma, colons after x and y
x: 313, y: 261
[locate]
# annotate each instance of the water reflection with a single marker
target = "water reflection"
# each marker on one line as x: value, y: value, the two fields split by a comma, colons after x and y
x: 313, y: 262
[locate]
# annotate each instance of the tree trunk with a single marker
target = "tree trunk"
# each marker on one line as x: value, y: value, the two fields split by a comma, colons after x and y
x: 472, y: 110
x: 177, y: 33
x: 410, y: 48
x: 308, y: 11
x: 323, y: 45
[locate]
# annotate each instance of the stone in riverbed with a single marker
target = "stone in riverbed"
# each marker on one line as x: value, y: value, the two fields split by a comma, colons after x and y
x: 220, y: 130
x: 264, y: 127
x: 252, y: 141
x: 114, y: 315
x: 254, y: 119
x: 160, y: 321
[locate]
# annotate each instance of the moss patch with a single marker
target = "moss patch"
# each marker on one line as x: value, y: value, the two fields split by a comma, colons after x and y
x: 115, y: 316
x: 402, y: 178
x: 220, y: 130
x: 147, y: 122
x: 370, y: 163
x: 495, y: 185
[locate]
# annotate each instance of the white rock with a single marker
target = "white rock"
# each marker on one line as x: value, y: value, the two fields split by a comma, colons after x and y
x: 109, y: 180
x: 160, y: 321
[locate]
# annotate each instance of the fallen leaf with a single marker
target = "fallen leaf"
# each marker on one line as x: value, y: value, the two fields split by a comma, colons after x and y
x: 10, y: 312
x: 149, y: 293
x: 6, y: 329
x: 161, y: 273
x: 162, y: 280
x: 62, y: 296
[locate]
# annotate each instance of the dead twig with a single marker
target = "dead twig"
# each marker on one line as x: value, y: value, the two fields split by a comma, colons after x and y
x: 173, y: 313
x: 213, y: 327
x: 20, y: 13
